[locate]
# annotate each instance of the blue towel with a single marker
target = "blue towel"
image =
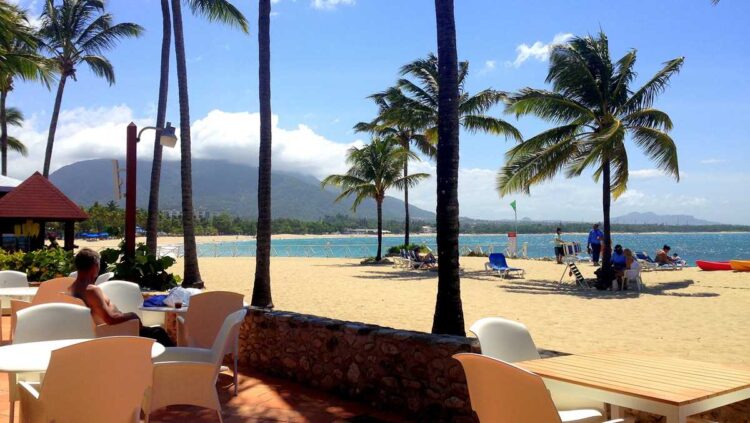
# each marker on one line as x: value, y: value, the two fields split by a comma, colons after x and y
x: 155, y: 301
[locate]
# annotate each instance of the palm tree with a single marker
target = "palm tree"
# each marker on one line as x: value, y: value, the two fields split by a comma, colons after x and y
x: 214, y: 10
x: 18, y: 59
x: 262, y: 284
x: 449, y: 315
x: 14, y: 117
x: 77, y: 32
x: 375, y: 168
x: 596, y: 109
x: 404, y: 132
x: 152, y: 221
x: 418, y: 101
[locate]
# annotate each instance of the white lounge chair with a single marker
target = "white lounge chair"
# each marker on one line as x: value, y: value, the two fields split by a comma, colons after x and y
x: 102, y: 380
x: 501, y: 392
x: 204, y: 318
x: 47, y: 322
x: 510, y: 341
x: 188, y: 375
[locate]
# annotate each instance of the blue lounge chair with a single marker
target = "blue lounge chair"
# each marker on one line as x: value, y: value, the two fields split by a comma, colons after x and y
x: 498, y: 264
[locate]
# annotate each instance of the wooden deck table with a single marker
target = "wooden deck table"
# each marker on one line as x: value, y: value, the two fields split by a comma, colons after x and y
x: 670, y: 387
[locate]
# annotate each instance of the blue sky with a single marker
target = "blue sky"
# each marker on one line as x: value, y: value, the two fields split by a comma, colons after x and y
x: 329, y: 55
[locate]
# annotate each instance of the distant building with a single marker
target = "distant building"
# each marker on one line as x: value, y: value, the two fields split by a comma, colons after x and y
x: 363, y: 231
x: 427, y: 229
x: 176, y: 214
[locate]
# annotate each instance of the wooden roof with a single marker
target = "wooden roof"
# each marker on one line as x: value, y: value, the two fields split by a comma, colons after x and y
x: 37, y: 198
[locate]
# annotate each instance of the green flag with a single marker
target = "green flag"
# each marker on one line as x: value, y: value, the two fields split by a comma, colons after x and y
x: 513, y: 204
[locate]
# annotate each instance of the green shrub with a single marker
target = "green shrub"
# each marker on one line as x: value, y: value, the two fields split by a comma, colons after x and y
x: 396, y: 249
x: 39, y: 265
x: 145, y: 269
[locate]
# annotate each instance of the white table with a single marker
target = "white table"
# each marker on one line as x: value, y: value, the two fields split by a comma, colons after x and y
x: 34, y: 356
x: 18, y: 292
x: 164, y: 309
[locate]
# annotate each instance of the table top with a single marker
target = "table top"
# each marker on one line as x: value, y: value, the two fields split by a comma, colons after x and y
x: 164, y: 309
x: 672, y: 381
x: 34, y: 356
x: 18, y: 292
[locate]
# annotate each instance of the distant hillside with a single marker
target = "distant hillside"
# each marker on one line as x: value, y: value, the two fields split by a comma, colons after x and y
x: 649, y: 218
x: 220, y: 186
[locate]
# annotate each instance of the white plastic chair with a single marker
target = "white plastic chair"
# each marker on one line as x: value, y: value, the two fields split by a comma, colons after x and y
x: 127, y: 297
x: 104, y: 277
x: 46, y: 298
x: 11, y: 279
x: 47, y: 322
x: 503, y: 393
x: 510, y: 341
x: 203, y: 319
x: 634, y: 274
x: 185, y: 375
x: 102, y: 380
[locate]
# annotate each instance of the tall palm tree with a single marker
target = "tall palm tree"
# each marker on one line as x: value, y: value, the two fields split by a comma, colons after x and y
x: 18, y: 60
x: 262, y: 284
x: 77, y: 32
x: 449, y: 315
x: 418, y: 101
x: 375, y: 168
x: 152, y: 221
x: 596, y: 109
x: 406, y: 133
x: 214, y: 10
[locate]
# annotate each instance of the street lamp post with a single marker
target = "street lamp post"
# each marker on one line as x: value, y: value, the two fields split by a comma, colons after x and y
x: 167, y: 139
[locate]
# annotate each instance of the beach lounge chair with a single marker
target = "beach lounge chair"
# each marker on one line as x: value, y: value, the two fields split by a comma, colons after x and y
x: 499, y: 265
x: 502, y: 392
x: 648, y: 264
x: 403, y: 260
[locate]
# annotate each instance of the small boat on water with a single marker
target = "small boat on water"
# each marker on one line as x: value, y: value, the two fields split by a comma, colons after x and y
x: 713, y: 265
x: 740, y: 265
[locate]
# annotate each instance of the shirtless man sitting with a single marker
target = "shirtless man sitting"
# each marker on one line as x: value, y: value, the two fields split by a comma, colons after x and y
x: 662, y: 256
x: 102, y: 309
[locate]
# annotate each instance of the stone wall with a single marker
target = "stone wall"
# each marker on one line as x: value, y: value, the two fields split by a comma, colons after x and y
x: 385, y: 367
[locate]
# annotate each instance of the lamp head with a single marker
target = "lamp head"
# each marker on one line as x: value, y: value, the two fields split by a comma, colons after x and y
x: 168, y: 137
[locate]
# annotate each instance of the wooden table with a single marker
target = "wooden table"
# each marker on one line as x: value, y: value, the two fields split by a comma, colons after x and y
x: 670, y: 387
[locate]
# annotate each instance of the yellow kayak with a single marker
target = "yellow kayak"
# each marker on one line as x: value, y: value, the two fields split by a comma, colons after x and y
x: 740, y: 265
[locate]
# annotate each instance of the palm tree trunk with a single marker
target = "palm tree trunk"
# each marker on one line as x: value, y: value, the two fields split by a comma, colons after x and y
x: 192, y: 275
x: 262, y: 284
x: 449, y: 316
x: 3, y: 133
x: 406, y: 205
x: 379, y: 254
x: 606, y: 201
x: 53, y: 124
x: 152, y: 222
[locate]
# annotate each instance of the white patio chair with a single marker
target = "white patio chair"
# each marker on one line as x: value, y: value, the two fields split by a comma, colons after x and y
x: 185, y: 375
x: 510, y: 341
x: 634, y: 275
x: 203, y: 319
x: 503, y: 393
x: 102, y: 380
x: 127, y: 297
x: 104, y: 277
x: 47, y: 322
x: 11, y: 279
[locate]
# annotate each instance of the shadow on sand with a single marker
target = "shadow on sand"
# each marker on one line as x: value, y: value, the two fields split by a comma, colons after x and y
x: 553, y: 288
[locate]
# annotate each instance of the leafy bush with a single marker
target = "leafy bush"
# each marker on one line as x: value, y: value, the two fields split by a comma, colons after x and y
x: 144, y: 269
x: 39, y: 265
x: 396, y: 249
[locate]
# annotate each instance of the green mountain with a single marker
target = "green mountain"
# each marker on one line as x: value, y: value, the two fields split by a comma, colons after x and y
x: 221, y: 186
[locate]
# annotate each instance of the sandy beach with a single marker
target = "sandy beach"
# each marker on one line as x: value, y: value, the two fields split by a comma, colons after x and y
x: 688, y: 313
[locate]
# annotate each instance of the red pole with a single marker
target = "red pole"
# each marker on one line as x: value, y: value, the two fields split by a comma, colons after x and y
x: 130, y: 163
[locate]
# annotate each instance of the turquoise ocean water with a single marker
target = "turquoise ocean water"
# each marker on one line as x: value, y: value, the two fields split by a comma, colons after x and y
x: 690, y: 246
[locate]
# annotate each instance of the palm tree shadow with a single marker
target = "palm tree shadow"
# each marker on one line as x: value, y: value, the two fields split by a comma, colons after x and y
x: 538, y: 287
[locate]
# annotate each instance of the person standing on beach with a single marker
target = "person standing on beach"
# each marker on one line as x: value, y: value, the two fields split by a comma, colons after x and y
x: 559, y: 247
x: 594, y: 246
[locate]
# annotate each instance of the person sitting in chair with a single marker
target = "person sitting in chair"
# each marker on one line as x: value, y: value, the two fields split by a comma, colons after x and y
x: 662, y: 256
x: 427, y: 261
x: 102, y: 309
x: 619, y: 264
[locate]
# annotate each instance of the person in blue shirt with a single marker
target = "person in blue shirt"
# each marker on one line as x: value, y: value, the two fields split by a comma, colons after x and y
x: 619, y: 263
x: 594, y: 246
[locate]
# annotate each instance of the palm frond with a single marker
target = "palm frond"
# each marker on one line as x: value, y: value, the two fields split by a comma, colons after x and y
x: 481, y: 101
x: 220, y: 11
x: 551, y: 106
x: 15, y: 145
x: 13, y: 116
x: 522, y: 171
x: 107, y: 38
x: 651, y: 118
x: 645, y: 96
x: 477, y: 123
x: 101, y: 67
x: 660, y: 147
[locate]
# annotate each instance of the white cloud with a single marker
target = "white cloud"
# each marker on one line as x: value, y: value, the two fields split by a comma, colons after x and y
x: 100, y: 133
x: 539, y: 50
x: 489, y: 66
x: 330, y: 4
x: 645, y: 173
x: 712, y: 161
